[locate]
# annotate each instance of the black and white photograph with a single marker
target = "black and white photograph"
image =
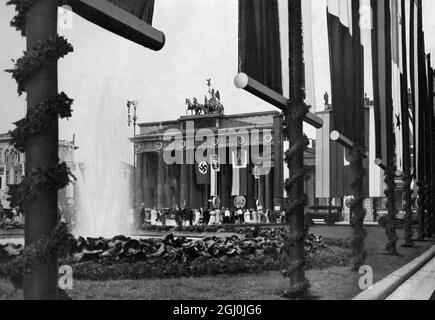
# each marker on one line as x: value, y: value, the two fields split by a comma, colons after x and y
x: 228, y: 157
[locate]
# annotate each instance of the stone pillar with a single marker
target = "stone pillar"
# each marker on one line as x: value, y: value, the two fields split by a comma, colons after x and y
x: 141, y: 163
x: 278, y: 159
x: 261, y: 192
x: 160, y: 181
x: 268, y: 191
x: 192, y: 185
x: 223, y: 186
x: 184, y: 185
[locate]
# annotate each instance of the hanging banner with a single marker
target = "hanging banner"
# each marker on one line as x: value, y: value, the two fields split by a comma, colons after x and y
x: 142, y: 9
x: 214, y: 170
x: 347, y: 68
x: 240, y: 173
x: 202, y: 171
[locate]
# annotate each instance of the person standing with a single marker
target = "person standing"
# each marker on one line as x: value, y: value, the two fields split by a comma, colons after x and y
x: 212, y: 217
x: 206, y: 216
x: 240, y: 215
x: 227, y: 216
x: 154, y: 216
x: 247, y: 216
x: 191, y: 217
x: 283, y: 216
x: 178, y: 215
x: 254, y: 216
x: 261, y: 216
x: 218, y: 217
x: 197, y: 217
x: 141, y: 215
x: 163, y: 218
x: 2, y: 213
x: 267, y: 216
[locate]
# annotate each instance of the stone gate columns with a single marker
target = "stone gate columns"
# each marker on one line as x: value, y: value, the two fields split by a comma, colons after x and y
x: 160, y: 181
x: 184, y: 185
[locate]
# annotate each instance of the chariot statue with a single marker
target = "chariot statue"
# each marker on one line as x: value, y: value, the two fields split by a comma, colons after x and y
x: 212, y: 103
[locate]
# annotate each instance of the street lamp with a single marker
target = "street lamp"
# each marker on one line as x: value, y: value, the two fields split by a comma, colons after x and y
x: 132, y: 119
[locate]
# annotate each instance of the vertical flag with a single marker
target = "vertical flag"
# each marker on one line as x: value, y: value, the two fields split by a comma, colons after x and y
x: 310, y: 87
x: 413, y: 77
x: 202, y: 171
x: 347, y: 68
x: 260, y: 42
x: 382, y: 77
x: 330, y: 162
x: 264, y: 44
x: 396, y: 77
x: 214, y: 169
x: 421, y: 106
x: 143, y: 9
x: 240, y: 173
x: 406, y: 125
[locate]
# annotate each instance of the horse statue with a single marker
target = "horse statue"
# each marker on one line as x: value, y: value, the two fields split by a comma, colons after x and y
x: 190, y: 107
x: 199, y: 108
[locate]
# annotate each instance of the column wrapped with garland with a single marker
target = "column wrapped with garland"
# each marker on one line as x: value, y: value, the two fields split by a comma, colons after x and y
x: 420, y: 209
x: 358, y: 213
x: 294, y: 114
x: 38, y: 136
x: 389, y: 220
x: 408, y: 232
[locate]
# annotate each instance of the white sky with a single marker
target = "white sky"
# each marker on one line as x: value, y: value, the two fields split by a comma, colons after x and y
x: 201, y: 43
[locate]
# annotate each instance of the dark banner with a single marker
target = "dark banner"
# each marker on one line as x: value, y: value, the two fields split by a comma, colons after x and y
x: 259, y: 42
x: 347, y: 68
x: 202, y: 172
x: 382, y: 80
x: 143, y: 9
x: 422, y: 138
x: 406, y: 125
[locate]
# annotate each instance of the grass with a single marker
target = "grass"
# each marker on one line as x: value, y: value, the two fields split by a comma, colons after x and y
x: 333, y: 283
x: 264, y: 286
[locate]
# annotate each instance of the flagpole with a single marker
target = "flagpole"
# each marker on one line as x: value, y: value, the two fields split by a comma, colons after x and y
x: 294, y: 115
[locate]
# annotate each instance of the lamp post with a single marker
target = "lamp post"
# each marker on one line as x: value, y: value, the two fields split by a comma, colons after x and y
x: 132, y: 119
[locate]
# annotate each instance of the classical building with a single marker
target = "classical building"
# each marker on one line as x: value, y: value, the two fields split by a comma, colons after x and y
x: 12, y: 168
x: 216, y: 180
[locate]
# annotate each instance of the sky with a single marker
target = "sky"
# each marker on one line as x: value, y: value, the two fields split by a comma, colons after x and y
x: 105, y: 70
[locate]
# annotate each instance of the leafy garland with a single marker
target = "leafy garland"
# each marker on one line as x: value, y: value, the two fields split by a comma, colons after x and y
x: 22, y: 7
x: 58, y: 243
x: 42, y: 179
x: 39, y: 118
x: 41, y: 55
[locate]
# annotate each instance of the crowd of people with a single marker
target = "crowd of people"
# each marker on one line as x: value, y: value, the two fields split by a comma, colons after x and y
x: 201, y: 217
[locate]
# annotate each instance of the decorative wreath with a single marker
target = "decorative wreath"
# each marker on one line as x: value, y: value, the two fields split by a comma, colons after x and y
x: 159, y: 146
x: 268, y: 138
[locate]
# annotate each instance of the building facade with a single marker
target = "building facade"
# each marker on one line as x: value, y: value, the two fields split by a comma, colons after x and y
x: 217, y: 179
x: 12, y: 170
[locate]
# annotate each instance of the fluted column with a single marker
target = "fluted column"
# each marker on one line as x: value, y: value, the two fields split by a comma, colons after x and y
x: 261, y: 192
x: 268, y: 191
x: 184, y: 185
x: 160, y: 181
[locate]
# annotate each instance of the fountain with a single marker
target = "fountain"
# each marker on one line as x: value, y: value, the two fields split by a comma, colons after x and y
x: 103, y: 189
